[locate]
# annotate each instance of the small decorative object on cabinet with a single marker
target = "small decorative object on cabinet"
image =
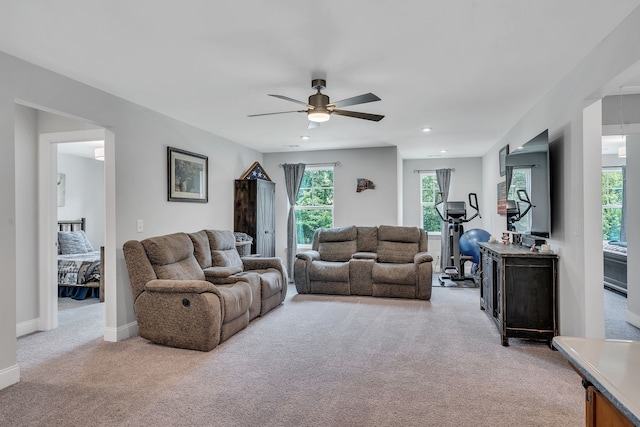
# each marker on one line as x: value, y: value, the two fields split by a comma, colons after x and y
x: 518, y: 291
x: 254, y: 214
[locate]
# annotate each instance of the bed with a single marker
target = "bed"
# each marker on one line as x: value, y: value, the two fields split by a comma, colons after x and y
x: 615, y: 266
x: 80, y: 271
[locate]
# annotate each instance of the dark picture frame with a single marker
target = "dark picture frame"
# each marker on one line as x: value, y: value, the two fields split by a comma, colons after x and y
x: 187, y: 175
x: 502, y: 158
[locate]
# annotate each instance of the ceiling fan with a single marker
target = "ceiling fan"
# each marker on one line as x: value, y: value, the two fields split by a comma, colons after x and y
x: 319, y: 109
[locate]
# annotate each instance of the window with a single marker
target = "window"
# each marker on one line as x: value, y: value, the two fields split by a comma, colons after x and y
x: 611, y: 203
x: 521, y: 180
x: 428, y: 190
x: 314, y: 206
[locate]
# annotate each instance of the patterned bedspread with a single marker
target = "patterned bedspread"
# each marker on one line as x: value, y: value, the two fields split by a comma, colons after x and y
x: 79, y: 269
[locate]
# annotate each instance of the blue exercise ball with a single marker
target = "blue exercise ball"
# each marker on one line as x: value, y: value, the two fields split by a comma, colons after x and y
x: 469, y: 240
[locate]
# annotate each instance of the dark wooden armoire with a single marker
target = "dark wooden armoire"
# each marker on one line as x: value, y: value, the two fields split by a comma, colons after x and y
x: 255, y: 214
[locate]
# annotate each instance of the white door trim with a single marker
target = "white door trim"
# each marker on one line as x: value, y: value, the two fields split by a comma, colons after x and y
x: 47, y: 218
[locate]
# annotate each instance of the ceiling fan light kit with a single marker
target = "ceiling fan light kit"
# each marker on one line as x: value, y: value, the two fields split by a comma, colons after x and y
x: 319, y: 108
x: 318, y: 116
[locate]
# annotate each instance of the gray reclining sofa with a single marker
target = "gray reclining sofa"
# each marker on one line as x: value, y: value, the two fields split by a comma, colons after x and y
x: 384, y: 261
x: 194, y: 291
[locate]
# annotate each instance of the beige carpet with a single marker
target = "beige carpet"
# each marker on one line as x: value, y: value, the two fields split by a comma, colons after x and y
x: 315, y: 361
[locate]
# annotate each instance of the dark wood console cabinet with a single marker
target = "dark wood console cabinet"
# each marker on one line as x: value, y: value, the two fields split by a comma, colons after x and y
x: 254, y: 214
x: 518, y: 291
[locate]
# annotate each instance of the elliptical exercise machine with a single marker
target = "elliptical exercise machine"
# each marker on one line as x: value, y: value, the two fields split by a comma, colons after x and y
x: 455, y: 213
x: 513, y: 209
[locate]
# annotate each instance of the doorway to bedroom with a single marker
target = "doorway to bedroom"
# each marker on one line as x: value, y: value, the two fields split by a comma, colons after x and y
x: 77, y: 221
x: 80, y: 218
x: 89, y: 197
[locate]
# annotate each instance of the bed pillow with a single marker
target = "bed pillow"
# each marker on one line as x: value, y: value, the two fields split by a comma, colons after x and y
x: 87, y: 243
x: 72, y: 242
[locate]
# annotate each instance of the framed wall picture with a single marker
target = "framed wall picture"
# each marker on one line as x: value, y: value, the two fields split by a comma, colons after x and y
x: 187, y: 176
x: 503, y: 160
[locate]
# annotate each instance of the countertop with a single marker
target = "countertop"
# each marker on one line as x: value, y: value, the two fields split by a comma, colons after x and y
x: 511, y: 250
x: 612, y: 366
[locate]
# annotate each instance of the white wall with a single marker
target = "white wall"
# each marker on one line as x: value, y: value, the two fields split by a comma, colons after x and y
x: 84, y: 195
x: 369, y: 207
x: 633, y: 231
x: 26, y: 215
x: 141, y: 140
x: 572, y: 156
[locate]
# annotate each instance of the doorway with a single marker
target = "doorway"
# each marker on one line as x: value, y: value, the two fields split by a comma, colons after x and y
x: 47, y: 221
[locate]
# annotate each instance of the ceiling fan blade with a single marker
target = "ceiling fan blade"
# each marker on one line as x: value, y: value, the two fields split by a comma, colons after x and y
x: 279, y: 112
x: 360, y: 99
x: 286, y: 98
x: 313, y: 125
x: 366, y: 116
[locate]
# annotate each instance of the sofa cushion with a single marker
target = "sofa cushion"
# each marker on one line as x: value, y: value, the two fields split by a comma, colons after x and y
x: 396, y: 252
x: 338, y: 234
x: 396, y: 233
x: 236, y: 298
x: 171, y: 257
x: 397, y: 244
x: 223, y: 248
x: 201, y: 248
x: 337, y: 251
x: 329, y: 271
x: 367, y: 239
x: 397, y: 274
x: 337, y: 244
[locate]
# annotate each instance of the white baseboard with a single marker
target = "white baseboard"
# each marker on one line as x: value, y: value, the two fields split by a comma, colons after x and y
x: 123, y: 332
x: 9, y: 376
x: 632, y: 318
x: 28, y: 327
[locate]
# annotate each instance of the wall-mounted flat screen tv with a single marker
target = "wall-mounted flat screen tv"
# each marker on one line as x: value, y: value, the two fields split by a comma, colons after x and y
x: 530, y: 171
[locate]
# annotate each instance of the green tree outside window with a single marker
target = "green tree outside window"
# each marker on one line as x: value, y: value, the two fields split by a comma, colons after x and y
x: 429, y: 189
x: 314, y: 205
x: 611, y: 203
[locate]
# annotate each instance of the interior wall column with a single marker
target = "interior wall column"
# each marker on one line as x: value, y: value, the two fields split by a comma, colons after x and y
x: 633, y: 231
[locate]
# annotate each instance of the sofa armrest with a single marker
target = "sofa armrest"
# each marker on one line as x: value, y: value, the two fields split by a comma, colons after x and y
x: 180, y: 313
x: 421, y: 257
x: 180, y: 286
x: 365, y: 255
x: 262, y: 263
x: 214, y: 274
x: 301, y: 268
x: 308, y: 255
x: 259, y: 263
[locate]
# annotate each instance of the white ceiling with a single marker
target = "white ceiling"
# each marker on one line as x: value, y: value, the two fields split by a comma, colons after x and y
x: 469, y: 69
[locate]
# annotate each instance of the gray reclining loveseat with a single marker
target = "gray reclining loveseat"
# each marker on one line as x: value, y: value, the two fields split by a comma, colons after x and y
x: 384, y: 261
x: 194, y: 291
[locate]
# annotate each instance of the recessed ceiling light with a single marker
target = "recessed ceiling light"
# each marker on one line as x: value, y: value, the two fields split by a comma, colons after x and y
x: 443, y: 151
x: 305, y: 137
x: 426, y: 129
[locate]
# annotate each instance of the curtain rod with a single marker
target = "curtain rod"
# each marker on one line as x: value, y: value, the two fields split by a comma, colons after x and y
x: 429, y: 170
x: 319, y: 164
